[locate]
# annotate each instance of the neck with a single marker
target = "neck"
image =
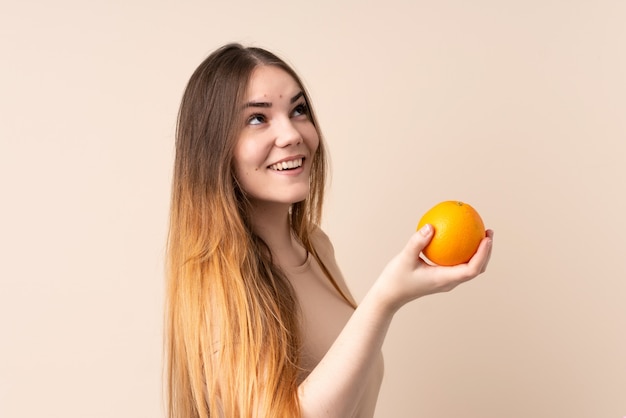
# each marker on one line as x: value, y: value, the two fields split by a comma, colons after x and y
x: 271, y: 222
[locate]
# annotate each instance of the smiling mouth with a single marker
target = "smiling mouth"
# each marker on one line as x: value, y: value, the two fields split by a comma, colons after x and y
x: 287, y: 165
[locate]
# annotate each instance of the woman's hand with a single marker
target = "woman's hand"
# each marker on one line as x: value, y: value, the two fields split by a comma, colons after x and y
x: 407, y: 277
x: 335, y: 386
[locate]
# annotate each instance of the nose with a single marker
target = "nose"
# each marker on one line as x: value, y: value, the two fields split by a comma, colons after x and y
x: 287, y: 134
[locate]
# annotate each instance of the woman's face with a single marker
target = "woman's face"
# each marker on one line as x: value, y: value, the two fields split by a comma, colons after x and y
x: 276, y: 144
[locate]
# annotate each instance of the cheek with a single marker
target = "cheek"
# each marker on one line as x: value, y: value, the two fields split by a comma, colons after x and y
x: 241, y: 161
x: 312, y: 140
x: 248, y: 155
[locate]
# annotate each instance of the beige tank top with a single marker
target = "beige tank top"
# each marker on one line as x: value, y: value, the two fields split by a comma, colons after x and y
x: 324, y: 314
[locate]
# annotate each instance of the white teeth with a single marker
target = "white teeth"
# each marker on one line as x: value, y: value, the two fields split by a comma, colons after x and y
x: 287, y: 165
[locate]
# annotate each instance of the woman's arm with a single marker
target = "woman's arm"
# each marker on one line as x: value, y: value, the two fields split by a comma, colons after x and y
x: 334, y: 387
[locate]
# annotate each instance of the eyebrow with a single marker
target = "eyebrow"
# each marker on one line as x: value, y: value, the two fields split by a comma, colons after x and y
x: 268, y: 104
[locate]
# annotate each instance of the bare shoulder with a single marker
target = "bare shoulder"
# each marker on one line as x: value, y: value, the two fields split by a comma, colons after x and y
x: 321, y: 242
x: 324, y: 248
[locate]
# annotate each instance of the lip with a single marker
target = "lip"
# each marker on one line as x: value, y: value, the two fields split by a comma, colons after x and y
x: 294, y: 172
x: 290, y: 158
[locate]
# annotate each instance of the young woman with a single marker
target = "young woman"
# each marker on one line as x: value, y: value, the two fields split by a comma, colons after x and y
x: 260, y: 322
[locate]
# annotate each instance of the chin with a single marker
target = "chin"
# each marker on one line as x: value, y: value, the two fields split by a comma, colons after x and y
x: 297, y: 199
x: 284, y: 199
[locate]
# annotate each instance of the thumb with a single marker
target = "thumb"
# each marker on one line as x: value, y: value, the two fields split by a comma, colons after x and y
x: 418, y: 241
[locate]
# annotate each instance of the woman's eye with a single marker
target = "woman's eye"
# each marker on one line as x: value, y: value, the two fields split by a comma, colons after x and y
x: 256, y: 120
x: 300, y: 110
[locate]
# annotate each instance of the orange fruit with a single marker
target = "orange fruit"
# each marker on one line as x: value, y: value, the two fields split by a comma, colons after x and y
x: 458, y: 230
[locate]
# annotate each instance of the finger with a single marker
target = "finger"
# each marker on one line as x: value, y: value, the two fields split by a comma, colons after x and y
x: 490, y: 243
x: 480, y: 260
x: 418, y: 241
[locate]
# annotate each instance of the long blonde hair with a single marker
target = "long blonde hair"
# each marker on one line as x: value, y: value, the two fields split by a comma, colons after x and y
x: 232, y: 330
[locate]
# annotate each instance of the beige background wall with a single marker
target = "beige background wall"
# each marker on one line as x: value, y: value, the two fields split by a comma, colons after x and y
x: 517, y: 107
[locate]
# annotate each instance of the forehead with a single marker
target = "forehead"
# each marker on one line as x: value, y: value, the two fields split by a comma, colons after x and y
x: 271, y: 81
